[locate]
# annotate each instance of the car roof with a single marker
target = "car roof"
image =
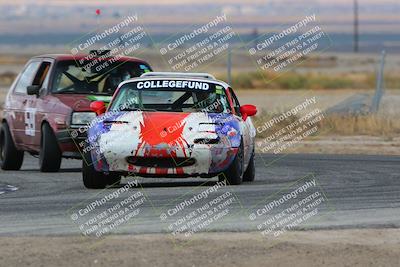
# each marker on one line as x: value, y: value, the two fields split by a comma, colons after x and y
x: 179, y: 74
x: 61, y: 57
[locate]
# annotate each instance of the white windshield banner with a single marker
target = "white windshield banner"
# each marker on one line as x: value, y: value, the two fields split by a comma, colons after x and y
x: 173, y: 84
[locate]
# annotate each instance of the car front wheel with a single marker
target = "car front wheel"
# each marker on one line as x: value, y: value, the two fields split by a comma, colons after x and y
x: 250, y: 172
x: 50, y: 153
x: 11, y: 158
x: 234, y: 174
x: 93, y: 179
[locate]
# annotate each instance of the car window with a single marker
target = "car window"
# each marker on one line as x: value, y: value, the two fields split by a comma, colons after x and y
x: 222, y: 99
x: 73, y: 77
x: 26, y: 77
x: 41, y: 74
x: 236, y: 104
x: 171, y: 98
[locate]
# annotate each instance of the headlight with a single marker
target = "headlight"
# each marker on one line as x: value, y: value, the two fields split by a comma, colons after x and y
x: 82, y: 118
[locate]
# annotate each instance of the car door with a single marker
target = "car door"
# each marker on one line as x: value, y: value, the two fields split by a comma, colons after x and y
x: 245, y: 126
x: 35, y: 108
x: 18, y: 101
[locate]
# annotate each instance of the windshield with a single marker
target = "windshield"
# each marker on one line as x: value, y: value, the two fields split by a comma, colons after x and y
x: 70, y: 77
x: 171, y: 95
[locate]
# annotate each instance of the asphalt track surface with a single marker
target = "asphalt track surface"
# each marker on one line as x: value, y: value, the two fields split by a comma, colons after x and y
x: 359, y: 192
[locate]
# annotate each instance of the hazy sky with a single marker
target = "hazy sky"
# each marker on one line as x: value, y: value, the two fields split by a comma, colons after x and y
x: 167, y: 2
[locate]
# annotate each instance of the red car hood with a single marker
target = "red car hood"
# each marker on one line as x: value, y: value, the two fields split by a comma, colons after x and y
x: 80, y: 102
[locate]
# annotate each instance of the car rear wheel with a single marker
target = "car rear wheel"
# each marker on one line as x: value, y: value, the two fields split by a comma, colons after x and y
x: 93, y: 179
x: 250, y: 172
x: 11, y: 158
x: 234, y: 174
x: 50, y: 153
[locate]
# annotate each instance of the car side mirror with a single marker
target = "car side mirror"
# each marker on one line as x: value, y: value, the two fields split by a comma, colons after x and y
x: 248, y: 111
x: 98, y: 107
x: 32, y: 90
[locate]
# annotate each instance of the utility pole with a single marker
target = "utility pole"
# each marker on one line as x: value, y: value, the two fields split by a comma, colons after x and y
x: 355, y: 37
x: 379, y: 85
x: 254, y: 36
x: 229, y: 65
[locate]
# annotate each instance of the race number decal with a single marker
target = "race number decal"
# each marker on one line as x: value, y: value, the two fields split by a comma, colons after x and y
x: 30, y: 121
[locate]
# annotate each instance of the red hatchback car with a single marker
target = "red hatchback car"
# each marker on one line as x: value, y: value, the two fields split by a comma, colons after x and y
x: 51, y: 98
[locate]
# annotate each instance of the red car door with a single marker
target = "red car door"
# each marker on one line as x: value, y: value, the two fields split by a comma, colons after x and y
x: 17, y: 101
x: 35, y: 107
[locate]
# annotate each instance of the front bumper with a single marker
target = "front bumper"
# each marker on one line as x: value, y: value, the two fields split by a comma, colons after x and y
x: 71, y: 142
x: 201, y: 160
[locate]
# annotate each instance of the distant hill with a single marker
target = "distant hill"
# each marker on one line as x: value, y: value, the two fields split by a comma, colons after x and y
x: 23, y: 16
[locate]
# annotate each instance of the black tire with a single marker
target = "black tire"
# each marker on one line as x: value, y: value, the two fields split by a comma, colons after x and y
x: 113, y: 179
x: 234, y: 174
x: 11, y: 158
x: 50, y: 153
x: 93, y: 179
x: 250, y: 172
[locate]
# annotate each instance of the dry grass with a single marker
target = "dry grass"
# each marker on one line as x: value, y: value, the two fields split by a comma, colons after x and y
x: 310, y: 80
x: 373, y: 125
x: 340, y: 125
x: 13, y: 59
x: 322, y: 73
x: 7, y: 78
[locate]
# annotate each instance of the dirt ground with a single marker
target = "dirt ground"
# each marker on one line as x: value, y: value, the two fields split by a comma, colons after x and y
x: 368, y: 247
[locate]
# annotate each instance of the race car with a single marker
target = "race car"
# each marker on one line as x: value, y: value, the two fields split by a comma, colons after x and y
x: 49, y: 103
x: 165, y: 124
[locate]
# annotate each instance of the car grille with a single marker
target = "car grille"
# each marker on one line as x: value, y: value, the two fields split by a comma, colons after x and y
x: 154, y: 162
